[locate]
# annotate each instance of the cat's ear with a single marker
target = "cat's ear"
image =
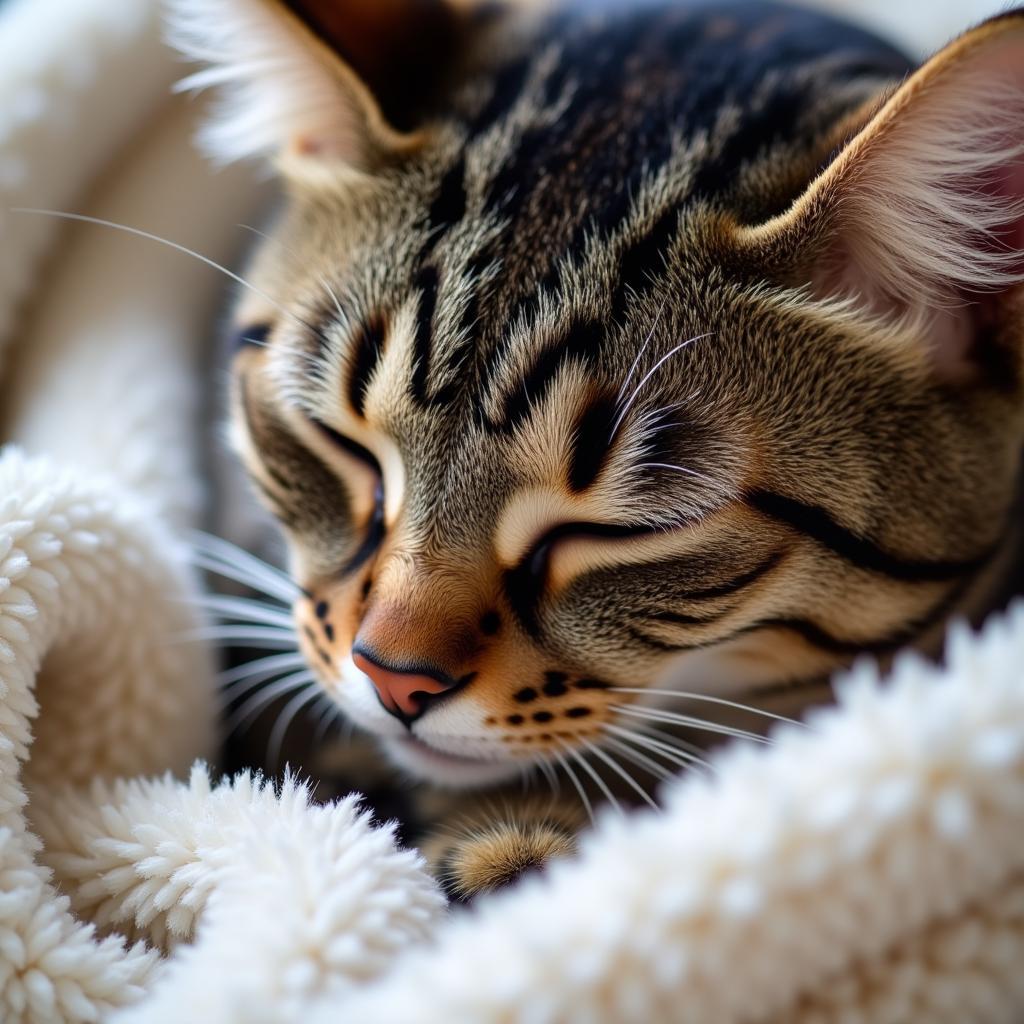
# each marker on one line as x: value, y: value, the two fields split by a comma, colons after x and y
x: 921, y: 210
x: 306, y: 81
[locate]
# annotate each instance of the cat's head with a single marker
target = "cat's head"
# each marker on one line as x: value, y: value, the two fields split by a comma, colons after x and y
x: 591, y: 350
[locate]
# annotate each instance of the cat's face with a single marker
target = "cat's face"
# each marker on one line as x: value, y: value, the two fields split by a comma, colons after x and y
x: 545, y: 425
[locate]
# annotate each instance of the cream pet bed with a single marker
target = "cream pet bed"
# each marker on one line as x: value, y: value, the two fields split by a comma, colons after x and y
x: 868, y: 868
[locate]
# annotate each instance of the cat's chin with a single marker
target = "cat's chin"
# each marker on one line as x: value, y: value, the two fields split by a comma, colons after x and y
x: 442, y: 769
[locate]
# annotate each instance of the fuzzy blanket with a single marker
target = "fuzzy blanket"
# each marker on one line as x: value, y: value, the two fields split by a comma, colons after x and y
x: 866, y: 867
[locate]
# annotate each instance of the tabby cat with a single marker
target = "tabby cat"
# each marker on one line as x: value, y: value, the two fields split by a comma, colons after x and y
x: 600, y: 352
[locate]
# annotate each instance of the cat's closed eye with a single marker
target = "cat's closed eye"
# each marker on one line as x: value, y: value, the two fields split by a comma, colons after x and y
x: 621, y: 375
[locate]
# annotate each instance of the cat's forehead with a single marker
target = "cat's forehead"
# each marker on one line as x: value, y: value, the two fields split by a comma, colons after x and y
x: 497, y: 290
x: 573, y: 153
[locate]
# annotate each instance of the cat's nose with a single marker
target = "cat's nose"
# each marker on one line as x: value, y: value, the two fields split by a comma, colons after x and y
x: 401, y: 693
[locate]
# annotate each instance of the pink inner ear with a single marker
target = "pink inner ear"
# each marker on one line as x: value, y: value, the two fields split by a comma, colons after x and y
x: 931, y: 224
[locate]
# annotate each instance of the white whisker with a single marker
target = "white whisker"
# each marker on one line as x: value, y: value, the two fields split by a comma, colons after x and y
x: 551, y: 775
x: 177, y: 246
x: 707, y: 698
x: 233, y: 690
x: 647, y: 376
x: 696, y: 474
x: 598, y: 781
x: 250, y: 708
x: 620, y: 771
x: 240, y: 609
x: 670, y: 739
x: 663, y: 749
x: 230, y: 555
x: 284, y: 722
x: 577, y: 785
x: 260, y: 667
x: 639, y: 355
x: 329, y: 715
x: 240, y: 631
x: 640, y: 760
x: 658, y: 715
x: 233, y: 572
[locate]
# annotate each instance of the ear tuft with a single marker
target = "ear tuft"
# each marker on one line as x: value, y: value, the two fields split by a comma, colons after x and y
x: 281, y: 87
x: 935, y: 209
x: 922, y: 210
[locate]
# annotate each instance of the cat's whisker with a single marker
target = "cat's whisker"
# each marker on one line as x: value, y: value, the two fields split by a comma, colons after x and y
x: 259, y: 667
x: 227, y: 701
x: 240, y: 576
x: 286, y: 718
x: 176, y: 246
x: 619, y: 770
x: 640, y: 354
x: 640, y: 760
x: 671, y: 740
x: 666, y: 751
x: 687, y: 695
x: 672, y: 718
x: 339, y: 309
x: 598, y: 781
x: 551, y: 775
x: 577, y: 785
x: 251, y: 707
x: 696, y: 474
x: 242, y: 632
x: 269, y: 579
x: 265, y: 602
x: 240, y: 610
x: 330, y: 714
x: 291, y: 253
x: 644, y: 742
x: 232, y: 691
x: 647, y: 376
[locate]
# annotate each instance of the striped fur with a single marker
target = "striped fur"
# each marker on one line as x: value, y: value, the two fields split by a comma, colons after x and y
x: 587, y: 382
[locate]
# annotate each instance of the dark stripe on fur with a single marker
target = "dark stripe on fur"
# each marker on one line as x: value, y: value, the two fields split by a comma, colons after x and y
x: 427, y: 282
x: 524, y: 584
x: 817, y: 636
x: 642, y: 261
x: 253, y: 336
x: 591, y: 442
x: 736, y: 584
x: 681, y: 619
x: 367, y: 348
x: 374, y: 535
x: 581, y: 343
x: 816, y: 523
x: 353, y: 448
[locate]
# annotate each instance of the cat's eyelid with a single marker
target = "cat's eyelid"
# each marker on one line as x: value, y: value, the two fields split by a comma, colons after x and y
x: 385, y: 463
x: 588, y: 531
x: 348, y: 445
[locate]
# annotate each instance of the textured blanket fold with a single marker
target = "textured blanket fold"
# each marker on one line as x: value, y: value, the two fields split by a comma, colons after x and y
x: 866, y: 867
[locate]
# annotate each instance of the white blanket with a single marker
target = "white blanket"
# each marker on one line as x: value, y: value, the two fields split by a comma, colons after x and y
x: 868, y: 867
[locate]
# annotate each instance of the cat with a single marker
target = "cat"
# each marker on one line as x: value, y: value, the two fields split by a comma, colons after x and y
x: 602, y: 353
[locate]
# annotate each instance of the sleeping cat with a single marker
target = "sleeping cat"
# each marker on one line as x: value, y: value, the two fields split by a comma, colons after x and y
x: 604, y: 352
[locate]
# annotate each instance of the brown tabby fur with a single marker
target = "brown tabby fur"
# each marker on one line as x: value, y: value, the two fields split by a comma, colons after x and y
x: 472, y: 278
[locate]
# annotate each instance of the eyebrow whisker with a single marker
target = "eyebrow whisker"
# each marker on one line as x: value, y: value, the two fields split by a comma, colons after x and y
x: 650, y: 373
x: 177, y: 246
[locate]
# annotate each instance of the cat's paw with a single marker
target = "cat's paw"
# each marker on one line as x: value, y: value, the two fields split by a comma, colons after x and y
x: 490, y: 856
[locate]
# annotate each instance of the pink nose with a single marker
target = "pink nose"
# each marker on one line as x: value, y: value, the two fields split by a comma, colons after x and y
x: 398, y: 690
